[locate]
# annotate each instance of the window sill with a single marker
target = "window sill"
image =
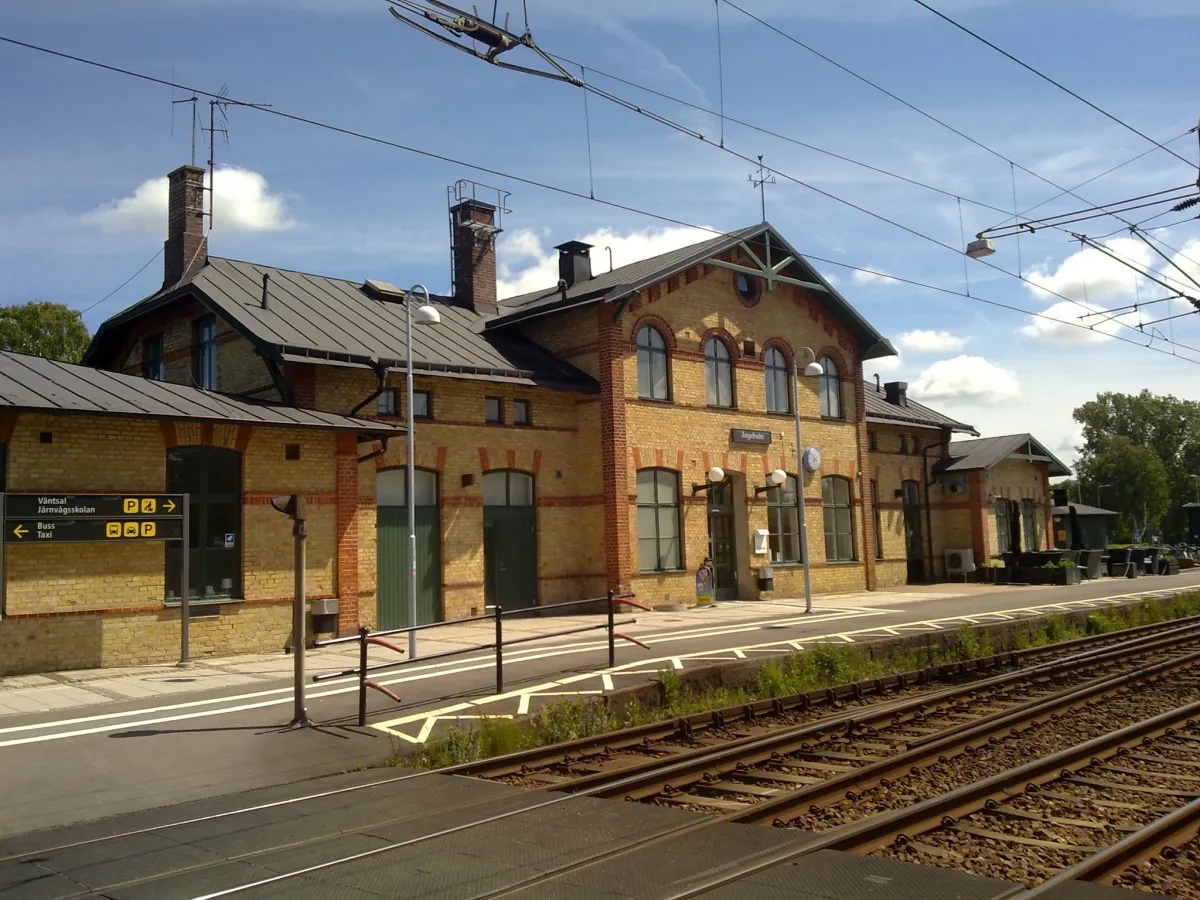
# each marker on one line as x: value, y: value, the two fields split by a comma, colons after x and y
x: 842, y: 562
x: 797, y: 564
x: 205, y: 601
x: 662, y: 571
x: 781, y: 413
x: 833, y: 418
x: 716, y: 406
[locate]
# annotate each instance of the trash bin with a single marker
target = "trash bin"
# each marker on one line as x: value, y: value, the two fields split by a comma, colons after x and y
x: 324, y: 616
x: 766, y: 578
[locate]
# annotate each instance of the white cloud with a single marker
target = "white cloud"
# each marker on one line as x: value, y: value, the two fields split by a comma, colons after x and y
x: 1090, y: 274
x: 542, y: 273
x: 1061, y: 322
x: 874, y: 276
x: 968, y: 379
x: 243, y: 203
x: 883, y: 365
x: 925, y: 341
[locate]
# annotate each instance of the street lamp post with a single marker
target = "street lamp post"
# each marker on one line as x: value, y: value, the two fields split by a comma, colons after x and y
x: 813, y: 368
x: 425, y: 315
x: 1098, y: 486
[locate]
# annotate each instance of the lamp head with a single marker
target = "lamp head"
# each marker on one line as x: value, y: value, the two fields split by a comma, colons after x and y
x: 778, y: 478
x: 715, y: 474
x: 427, y: 315
x: 980, y: 248
x: 813, y: 369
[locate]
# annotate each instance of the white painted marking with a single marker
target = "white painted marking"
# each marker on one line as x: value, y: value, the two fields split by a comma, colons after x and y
x: 891, y: 630
x: 846, y: 638
x: 740, y: 654
x: 606, y: 680
x: 676, y: 662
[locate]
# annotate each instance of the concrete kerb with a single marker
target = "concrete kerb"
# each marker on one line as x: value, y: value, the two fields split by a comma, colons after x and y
x: 1002, y: 636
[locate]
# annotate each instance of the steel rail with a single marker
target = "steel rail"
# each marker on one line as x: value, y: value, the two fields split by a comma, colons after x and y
x: 1128, y: 640
x: 939, y: 747
x: 1160, y: 836
x: 1141, y: 633
x: 880, y: 830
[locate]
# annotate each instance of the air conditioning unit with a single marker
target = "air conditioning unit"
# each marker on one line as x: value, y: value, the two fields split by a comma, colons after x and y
x: 960, y: 562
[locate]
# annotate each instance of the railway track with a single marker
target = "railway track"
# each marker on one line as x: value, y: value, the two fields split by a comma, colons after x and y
x: 913, y: 718
x: 559, y: 765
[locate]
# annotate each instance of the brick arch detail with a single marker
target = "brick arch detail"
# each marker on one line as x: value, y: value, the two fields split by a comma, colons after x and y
x: 725, y: 338
x: 782, y: 346
x: 845, y: 371
x: 663, y: 327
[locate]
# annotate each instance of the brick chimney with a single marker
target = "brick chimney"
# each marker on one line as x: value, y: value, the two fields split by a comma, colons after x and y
x: 473, y: 234
x: 186, y: 248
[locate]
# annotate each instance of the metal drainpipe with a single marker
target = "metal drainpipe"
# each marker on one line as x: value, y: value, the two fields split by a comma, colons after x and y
x: 928, y: 512
x: 381, y: 374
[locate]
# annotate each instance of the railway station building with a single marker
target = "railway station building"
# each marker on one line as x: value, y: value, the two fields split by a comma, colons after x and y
x: 614, y: 430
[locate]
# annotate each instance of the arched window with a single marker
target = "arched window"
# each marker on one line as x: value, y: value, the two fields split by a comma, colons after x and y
x: 718, y: 373
x: 653, y: 380
x: 507, y: 488
x: 830, y: 386
x: 783, y: 522
x: 658, y: 520
x: 391, y: 487
x: 836, y: 497
x: 775, y: 367
x: 1003, y: 527
x: 213, y: 478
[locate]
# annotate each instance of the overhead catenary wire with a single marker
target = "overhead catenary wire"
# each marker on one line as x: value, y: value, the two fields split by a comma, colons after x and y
x: 1049, y: 80
x: 557, y: 189
x: 912, y: 106
x: 145, y: 265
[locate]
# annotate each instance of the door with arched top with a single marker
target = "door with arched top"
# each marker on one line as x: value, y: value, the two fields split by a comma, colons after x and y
x: 509, y: 540
x: 914, y: 534
x: 392, y: 548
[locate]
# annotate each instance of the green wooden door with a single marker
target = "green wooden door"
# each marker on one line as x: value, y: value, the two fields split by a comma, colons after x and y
x: 509, y: 540
x: 391, y: 529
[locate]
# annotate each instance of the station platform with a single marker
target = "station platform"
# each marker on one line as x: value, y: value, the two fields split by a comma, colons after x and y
x: 421, y: 835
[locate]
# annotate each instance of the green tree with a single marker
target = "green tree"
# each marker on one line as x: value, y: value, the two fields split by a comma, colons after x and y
x: 1136, y: 482
x: 1163, y: 424
x: 41, y: 328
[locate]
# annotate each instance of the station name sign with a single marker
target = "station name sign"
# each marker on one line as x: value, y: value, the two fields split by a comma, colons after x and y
x: 748, y: 436
x: 74, y: 518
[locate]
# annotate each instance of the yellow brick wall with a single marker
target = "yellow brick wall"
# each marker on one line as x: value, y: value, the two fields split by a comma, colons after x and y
x: 103, y: 604
x: 1018, y: 480
x: 687, y: 436
x: 240, y: 370
x: 561, y: 450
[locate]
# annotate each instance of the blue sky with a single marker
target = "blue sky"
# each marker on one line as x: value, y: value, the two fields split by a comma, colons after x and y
x: 79, y: 143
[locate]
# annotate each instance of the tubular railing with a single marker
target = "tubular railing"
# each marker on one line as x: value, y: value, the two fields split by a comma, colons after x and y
x: 366, y: 638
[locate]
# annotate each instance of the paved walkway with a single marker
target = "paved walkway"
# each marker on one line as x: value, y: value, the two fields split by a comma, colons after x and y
x: 83, y: 688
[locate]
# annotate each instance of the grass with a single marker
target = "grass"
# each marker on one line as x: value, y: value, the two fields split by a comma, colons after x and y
x: 826, y: 665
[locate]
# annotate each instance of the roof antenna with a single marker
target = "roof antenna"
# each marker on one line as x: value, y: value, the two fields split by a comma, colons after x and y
x: 610, y: 265
x: 760, y: 180
x: 195, y: 113
x: 877, y: 382
x: 221, y: 102
x: 266, y: 286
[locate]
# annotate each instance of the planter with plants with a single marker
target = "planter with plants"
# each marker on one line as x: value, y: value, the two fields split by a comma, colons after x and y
x: 1168, y: 565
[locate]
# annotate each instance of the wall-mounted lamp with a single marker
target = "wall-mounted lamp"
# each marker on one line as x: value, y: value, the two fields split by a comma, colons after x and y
x: 715, y: 476
x: 776, y: 479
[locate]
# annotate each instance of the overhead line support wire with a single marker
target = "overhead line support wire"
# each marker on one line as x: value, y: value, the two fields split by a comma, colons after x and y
x: 1047, y: 78
x: 428, y: 154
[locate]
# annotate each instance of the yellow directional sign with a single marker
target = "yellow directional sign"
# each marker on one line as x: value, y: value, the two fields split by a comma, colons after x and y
x: 169, y: 506
x: 91, y: 506
x: 58, y: 530
x: 20, y: 531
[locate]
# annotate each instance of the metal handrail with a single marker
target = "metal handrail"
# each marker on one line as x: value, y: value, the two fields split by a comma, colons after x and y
x: 366, y: 637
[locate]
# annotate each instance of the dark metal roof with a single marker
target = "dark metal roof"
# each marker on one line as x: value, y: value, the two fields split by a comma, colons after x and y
x: 878, y: 409
x: 626, y: 280
x: 43, y: 385
x: 1082, y: 510
x: 314, y: 317
x: 984, y: 453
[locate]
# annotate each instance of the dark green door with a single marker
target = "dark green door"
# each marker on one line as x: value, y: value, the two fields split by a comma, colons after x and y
x: 509, y: 540
x: 391, y: 529
x: 914, y: 538
x: 722, y: 546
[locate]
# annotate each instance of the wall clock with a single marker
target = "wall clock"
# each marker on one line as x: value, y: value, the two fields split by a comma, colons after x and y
x: 812, y: 459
